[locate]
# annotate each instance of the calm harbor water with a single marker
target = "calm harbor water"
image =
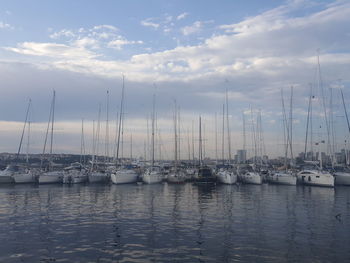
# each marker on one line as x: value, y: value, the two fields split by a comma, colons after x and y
x: 174, y: 223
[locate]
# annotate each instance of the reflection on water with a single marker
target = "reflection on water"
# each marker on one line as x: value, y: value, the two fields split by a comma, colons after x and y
x: 174, y: 223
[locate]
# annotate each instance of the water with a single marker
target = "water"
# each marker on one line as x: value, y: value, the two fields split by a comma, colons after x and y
x: 174, y: 223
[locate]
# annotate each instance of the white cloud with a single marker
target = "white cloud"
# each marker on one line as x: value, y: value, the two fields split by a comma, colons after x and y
x: 5, y: 25
x: 109, y: 27
x: 62, y: 33
x: 53, y: 50
x: 196, y: 27
x: 119, y: 43
x: 182, y: 16
x: 149, y: 23
x: 86, y: 42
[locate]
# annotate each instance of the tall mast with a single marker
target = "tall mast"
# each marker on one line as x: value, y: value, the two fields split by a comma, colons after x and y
x: 228, y: 130
x: 175, y: 136
x: 120, y: 118
x: 28, y: 140
x: 93, y: 145
x: 291, y: 124
x: 346, y: 113
x: 244, y: 132
x: 179, y: 133
x: 107, y: 129
x: 307, y: 122
x: 200, y: 141
x: 223, y: 135
x: 253, y: 135
x: 193, y: 141
x: 24, y: 127
x: 153, y: 123
x: 320, y: 87
x: 52, y: 122
x: 216, y: 138
x: 285, y: 129
x: 98, y: 133
x: 188, y: 144
x: 82, y: 144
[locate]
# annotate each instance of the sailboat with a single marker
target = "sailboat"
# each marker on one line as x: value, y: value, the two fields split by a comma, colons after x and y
x: 342, y: 174
x: 204, y: 173
x: 28, y: 175
x: 316, y: 175
x: 124, y: 173
x: 226, y: 174
x: 153, y: 174
x: 286, y: 176
x: 249, y: 174
x: 96, y: 174
x: 50, y: 176
x: 76, y: 174
x: 176, y: 175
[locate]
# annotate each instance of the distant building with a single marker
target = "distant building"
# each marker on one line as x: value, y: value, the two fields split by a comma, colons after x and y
x: 241, y: 156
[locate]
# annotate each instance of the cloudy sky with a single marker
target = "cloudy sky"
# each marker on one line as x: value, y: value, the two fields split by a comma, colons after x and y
x: 190, y: 51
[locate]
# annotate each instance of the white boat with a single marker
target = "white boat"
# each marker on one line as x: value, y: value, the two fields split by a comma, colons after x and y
x: 177, y: 177
x: 342, y: 178
x: 98, y: 177
x: 226, y: 176
x: 152, y: 175
x: 51, y: 177
x: 26, y: 177
x: 75, y: 177
x: 282, y: 177
x: 124, y: 176
x: 251, y: 178
x: 6, y: 176
x: 341, y: 175
x: 248, y: 175
x: 315, y: 177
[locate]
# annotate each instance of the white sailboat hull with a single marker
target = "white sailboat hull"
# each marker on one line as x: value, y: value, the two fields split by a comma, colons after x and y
x: 282, y: 178
x: 124, y: 177
x: 25, y: 178
x: 342, y: 178
x: 51, y: 178
x: 227, y: 177
x: 316, y: 178
x: 251, y: 178
x: 152, y: 177
x: 176, y: 177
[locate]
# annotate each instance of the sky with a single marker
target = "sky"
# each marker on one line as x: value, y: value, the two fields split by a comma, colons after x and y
x: 188, y: 51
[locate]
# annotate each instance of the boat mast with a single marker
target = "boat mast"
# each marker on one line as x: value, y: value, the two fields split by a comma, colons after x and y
x: 28, y: 140
x: 200, y: 141
x: 223, y: 135
x: 175, y: 136
x: 216, y: 138
x: 153, y: 123
x: 82, y: 144
x: 291, y: 124
x: 24, y: 127
x: 52, y: 122
x: 346, y: 112
x: 98, y: 133
x: 228, y: 130
x: 307, y: 122
x: 193, y: 141
x: 120, y: 118
x: 107, y: 130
